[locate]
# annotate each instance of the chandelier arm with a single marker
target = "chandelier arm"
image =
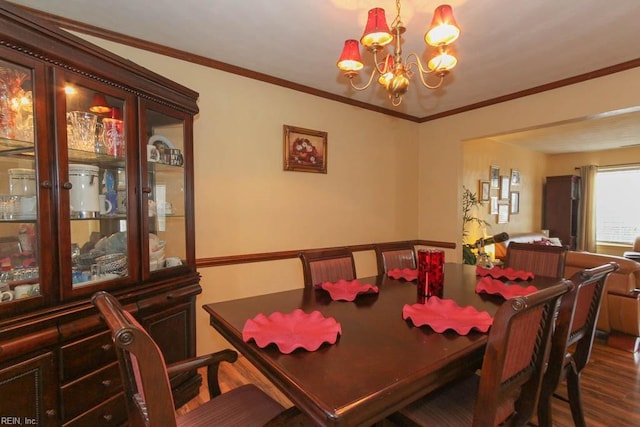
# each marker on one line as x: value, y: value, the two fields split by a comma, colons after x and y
x: 366, y: 86
x: 422, y: 72
x: 377, y: 64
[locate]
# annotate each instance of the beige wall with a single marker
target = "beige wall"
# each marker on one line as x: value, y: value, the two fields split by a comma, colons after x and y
x: 443, y: 139
x: 478, y: 156
x: 377, y: 165
x: 245, y: 203
x: 565, y: 164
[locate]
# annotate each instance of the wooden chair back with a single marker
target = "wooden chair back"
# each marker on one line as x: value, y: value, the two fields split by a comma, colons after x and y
x: 395, y: 255
x: 541, y: 260
x: 515, y: 357
x: 146, y: 382
x: 573, y: 339
x: 330, y: 265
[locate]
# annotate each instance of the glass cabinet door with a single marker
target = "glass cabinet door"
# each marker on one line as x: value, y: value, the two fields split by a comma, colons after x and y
x: 164, y: 134
x: 98, y: 248
x: 19, y: 254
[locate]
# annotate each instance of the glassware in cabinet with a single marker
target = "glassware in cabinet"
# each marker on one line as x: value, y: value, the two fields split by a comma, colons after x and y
x: 166, y: 225
x: 97, y: 180
x: 19, y: 254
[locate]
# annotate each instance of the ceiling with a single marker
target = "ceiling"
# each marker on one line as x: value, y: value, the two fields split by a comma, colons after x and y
x: 506, y: 46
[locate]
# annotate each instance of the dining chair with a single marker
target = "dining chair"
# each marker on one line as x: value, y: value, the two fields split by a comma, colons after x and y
x: 511, y: 375
x: 572, y: 341
x: 145, y: 378
x: 541, y: 260
x: 395, y: 255
x: 327, y: 265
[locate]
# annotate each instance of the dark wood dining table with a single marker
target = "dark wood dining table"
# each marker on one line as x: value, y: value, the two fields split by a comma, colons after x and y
x: 380, y: 362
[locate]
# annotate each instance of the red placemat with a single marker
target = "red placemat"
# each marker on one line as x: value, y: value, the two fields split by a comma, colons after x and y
x: 496, y: 287
x: 292, y: 330
x: 443, y: 314
x: 506, y: 273
x: 348, y: 290
x: 407, y: 274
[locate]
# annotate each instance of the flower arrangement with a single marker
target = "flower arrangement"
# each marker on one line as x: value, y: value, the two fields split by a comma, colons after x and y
x: 304, y: 153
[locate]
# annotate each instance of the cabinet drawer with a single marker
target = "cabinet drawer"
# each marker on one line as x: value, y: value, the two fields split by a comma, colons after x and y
x: 81, y: 395
x: 112, y: 412
x: 86, y: 355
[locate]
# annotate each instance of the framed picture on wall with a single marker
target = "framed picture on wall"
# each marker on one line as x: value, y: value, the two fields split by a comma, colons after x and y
x: 514, y: 202
x: 484, y: 191
x: 515, y: 177
x: 494, y: 177
x: 503, y: 213
x: 305, y: 150
x: 493, y: 206
x: 504, y: 187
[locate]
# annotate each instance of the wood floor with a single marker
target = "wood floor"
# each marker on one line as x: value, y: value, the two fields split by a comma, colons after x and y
x: 610, y: 388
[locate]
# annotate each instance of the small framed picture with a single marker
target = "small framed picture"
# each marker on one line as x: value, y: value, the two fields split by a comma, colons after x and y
x: 503, y: 213
x: 305, y: 150
x: 504, y: 187
x: 514, y: 202
x: 515, y: 177
x: 484, y: 191
x: 493, y: 206
x: 494, y: 177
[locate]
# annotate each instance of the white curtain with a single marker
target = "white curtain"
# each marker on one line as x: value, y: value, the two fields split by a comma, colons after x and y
x: 587, y: 216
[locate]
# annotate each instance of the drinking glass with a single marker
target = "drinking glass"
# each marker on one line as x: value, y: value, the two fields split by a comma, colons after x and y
x: 83, y: 128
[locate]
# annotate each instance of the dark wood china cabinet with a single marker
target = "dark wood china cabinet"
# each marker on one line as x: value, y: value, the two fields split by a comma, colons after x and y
x: 96, y: 193
x: 562, y: 207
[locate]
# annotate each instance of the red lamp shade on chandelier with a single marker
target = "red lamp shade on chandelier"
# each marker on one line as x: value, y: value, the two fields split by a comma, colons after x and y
x: 377, y: 32
x: 444, y: 29
x: 350, y: 60
x: 392, y: 70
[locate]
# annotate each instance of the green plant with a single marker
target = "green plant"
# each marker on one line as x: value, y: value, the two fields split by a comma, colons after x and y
x: 470, y: 202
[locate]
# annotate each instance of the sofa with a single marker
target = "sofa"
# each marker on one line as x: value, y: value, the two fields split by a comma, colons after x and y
x: 620, y: 311
x: 501, y: 248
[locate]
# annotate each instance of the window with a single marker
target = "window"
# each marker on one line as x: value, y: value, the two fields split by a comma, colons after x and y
x: 617, y: 204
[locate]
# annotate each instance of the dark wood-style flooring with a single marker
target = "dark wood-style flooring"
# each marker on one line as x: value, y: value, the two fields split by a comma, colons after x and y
x: 610, y: 388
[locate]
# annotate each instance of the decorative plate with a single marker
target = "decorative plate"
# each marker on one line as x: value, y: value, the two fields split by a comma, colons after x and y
x: 407, y: 274
x: 497, y: 287
x: 443, y: 314
x: 348, y: 290
x: 507, y: 273
x: 292, y: 330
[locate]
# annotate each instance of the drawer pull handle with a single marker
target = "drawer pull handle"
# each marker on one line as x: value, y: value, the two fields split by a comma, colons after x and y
x: 107, y: 417
x: 106, y: 347
x: 107, y: 383
x: 50, y: 412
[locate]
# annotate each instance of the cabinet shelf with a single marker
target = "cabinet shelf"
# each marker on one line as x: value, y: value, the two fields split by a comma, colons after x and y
x: 15, y: 146
x: 95, y: 158
x: 19, y: 220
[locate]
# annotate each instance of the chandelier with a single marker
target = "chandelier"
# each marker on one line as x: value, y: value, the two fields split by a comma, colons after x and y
x: 393, y: 71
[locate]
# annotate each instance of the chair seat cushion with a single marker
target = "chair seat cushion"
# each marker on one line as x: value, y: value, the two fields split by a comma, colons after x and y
x: 245, y: 406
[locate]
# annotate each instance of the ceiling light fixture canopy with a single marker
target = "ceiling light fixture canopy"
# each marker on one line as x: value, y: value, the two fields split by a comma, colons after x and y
x: 394, y: 71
